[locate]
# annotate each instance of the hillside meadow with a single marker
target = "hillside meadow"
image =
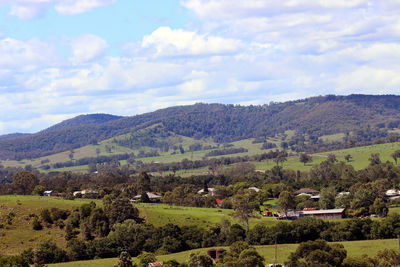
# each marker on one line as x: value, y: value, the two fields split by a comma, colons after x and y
x: 354, y: 249
x: 20, y: 235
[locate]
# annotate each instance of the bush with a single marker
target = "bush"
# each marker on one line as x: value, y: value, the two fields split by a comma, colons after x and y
x: 36, y: 225
x: 46, y: 217
x: 48, y: 252
x: 13, y: 261
x: 145, y: 258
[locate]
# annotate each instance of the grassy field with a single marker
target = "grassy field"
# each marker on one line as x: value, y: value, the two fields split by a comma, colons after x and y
x: 359, y: 155
x: 354, y: 249
x: 20, y: 235
x: 160, y: 214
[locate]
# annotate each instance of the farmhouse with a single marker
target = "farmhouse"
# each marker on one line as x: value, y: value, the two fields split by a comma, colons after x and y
x: 323, y: 214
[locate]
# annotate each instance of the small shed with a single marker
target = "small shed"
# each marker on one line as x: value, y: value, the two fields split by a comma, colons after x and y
x: 48, y: 193
x: 152, y: 196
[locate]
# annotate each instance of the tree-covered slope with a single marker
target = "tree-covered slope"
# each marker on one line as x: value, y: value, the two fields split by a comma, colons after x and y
x: 224, y: 123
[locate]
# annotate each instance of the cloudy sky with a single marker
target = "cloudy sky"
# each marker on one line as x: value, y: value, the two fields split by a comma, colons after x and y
x: 62, y: 58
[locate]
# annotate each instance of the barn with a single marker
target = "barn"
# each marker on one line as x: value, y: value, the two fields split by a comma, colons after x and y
x: 323, y: 214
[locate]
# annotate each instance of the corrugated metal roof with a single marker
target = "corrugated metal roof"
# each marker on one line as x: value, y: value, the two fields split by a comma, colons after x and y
x: 309, y: 212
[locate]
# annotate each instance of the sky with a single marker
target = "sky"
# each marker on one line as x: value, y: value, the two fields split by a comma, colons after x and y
x: 63, y: 58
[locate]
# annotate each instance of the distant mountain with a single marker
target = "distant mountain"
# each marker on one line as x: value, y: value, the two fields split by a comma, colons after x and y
x: 224, y: 123
x: 12, y: 136
x: 82, y: 120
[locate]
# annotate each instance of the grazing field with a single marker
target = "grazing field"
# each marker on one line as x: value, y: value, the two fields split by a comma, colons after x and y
x: 354, y: 249
x: 20, y: 235
x: 108, y: 147
x: 161, y: 214
x: 360, y: 156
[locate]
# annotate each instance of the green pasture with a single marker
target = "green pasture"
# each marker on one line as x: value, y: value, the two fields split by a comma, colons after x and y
x: 20, y: 235
x: 360, y: 156
x: 354, y: 249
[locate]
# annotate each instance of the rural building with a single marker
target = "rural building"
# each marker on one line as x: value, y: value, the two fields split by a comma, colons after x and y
x: 323, y: 214
x: 315, y: 198
x: 86, y: 192
x: 392, y: 194
x: 211, y: 191
x: 152, y: 197
x: 254, y: 189
x: 155, y: 264
x: 308, y: 191
x: 48, y: 193
x: 342, y: 194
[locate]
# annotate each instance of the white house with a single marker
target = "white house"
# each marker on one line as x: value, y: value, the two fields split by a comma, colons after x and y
x: 211, y: 191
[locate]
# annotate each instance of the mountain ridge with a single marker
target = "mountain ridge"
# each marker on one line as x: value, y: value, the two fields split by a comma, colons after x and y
x: 317, y: 116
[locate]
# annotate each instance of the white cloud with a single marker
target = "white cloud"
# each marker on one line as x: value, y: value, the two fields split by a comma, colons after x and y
x: 168, y: 42
x: 227, y: 9
x: 367, y: 79
x: 87, y: 47
x: 27, y: 11
x: 24, y: 54
x: 73, y: 7
x: 30, y: 9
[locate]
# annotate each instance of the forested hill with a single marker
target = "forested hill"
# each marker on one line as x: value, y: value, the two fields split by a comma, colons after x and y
x: 82, y: 120
x: 12, y: 136
x: 224, y: 123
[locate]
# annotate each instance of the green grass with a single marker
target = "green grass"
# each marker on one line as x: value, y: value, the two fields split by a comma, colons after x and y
x: 161, y: 214
x: 359, y: 161
x: 333, y: 138
x: 354, y: 249
x: 20, y: 235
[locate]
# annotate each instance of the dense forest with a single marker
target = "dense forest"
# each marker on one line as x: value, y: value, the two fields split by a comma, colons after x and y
x: 315, y: 116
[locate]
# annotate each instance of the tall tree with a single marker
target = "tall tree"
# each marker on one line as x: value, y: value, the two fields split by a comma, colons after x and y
x: 327, y: 198
x: 244, y: 206
x: 395, y: 155
x: 281, y: 157
x: 143, y: 182
x: 286, y: 201
x: 24, y: 182
x: 305, y: 158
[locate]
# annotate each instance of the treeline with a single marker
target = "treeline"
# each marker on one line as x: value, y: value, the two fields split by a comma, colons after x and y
x: 90, y: 160
x: 186, y: 164
x: 220, y: 152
